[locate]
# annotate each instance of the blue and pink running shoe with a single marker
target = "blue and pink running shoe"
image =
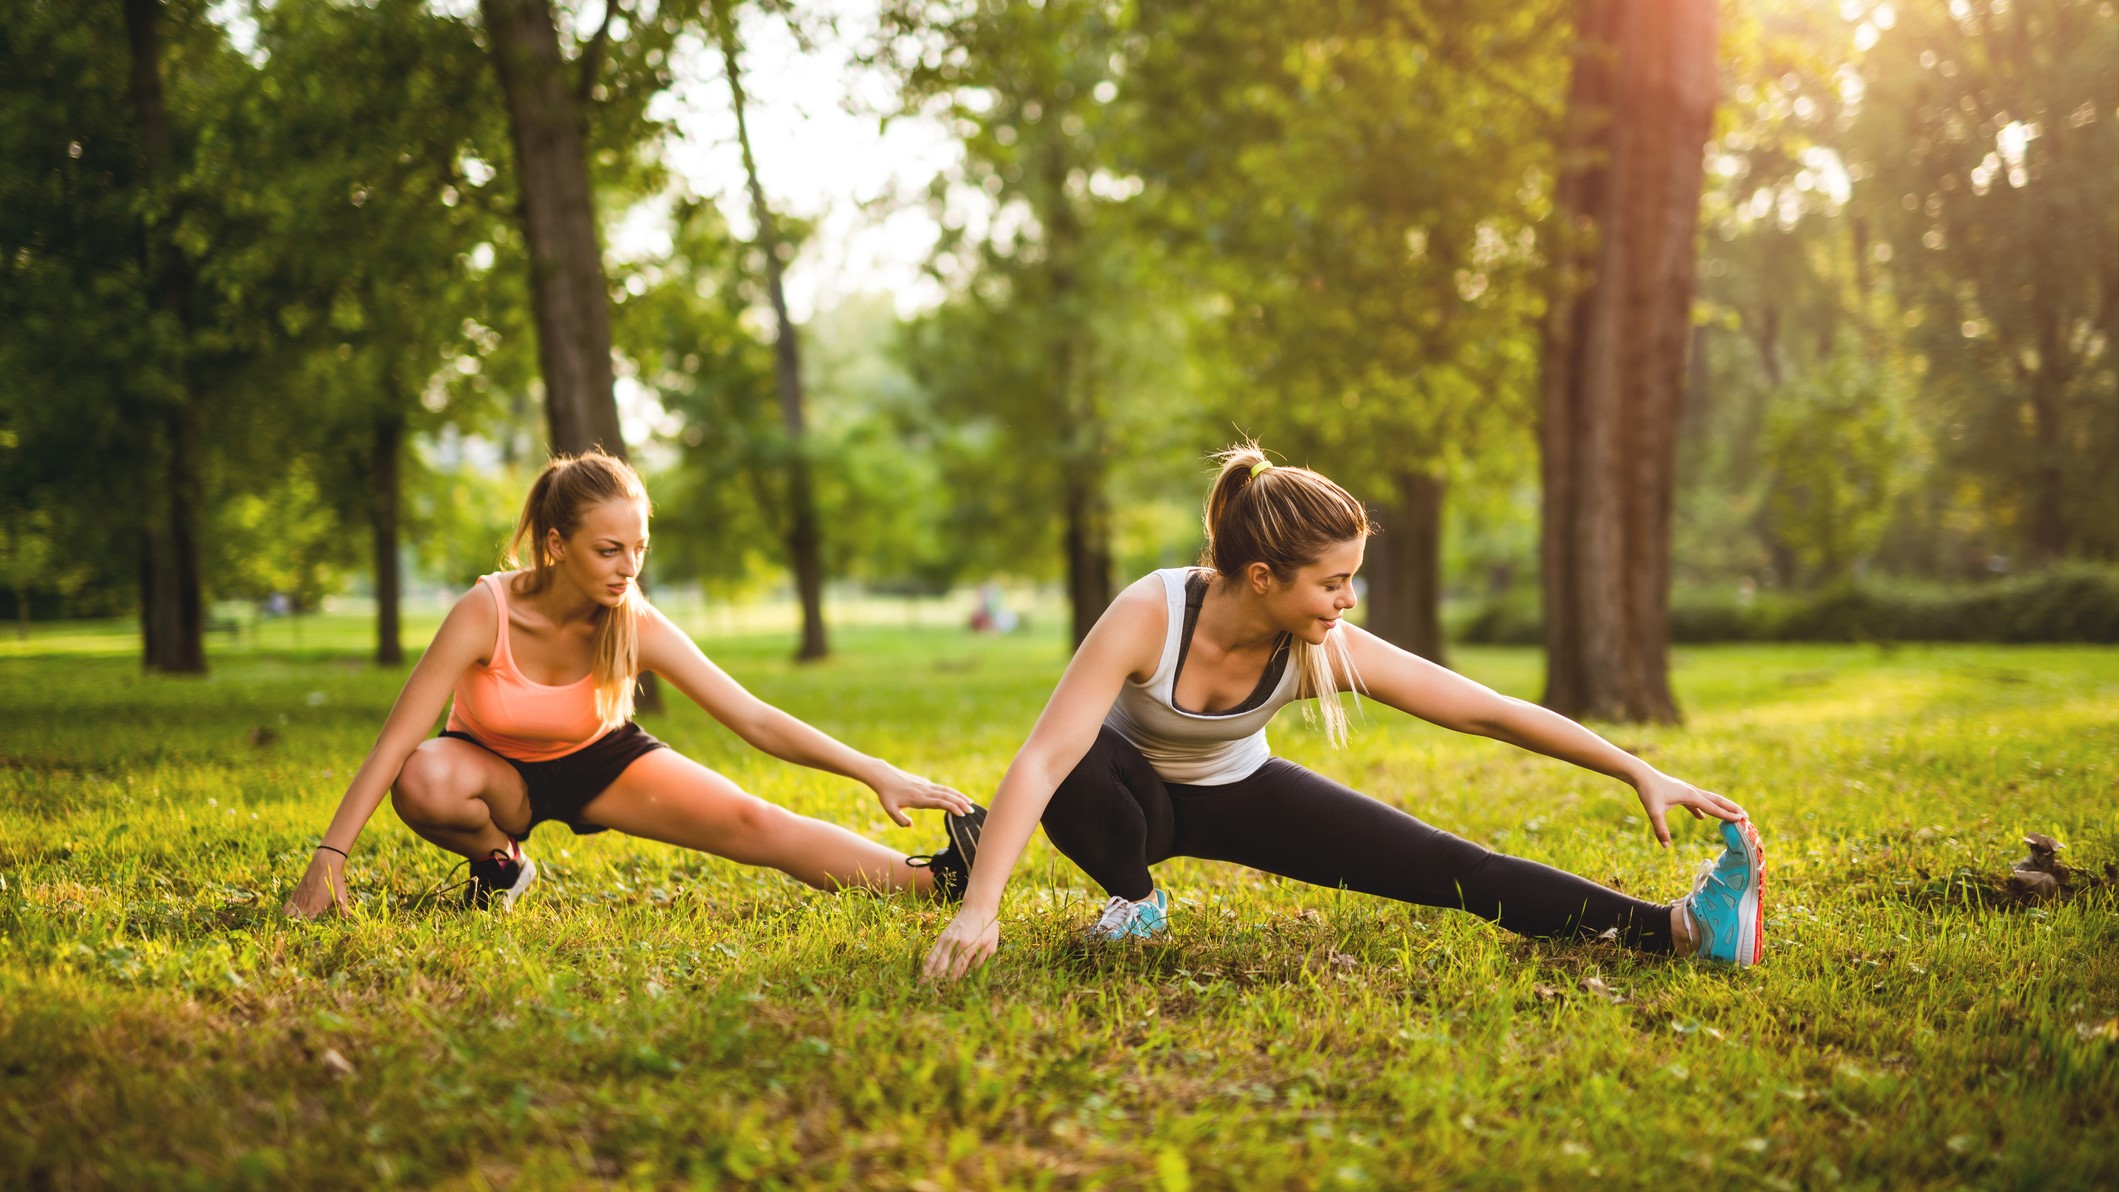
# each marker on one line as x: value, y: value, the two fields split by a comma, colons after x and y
x: 1726, y: 900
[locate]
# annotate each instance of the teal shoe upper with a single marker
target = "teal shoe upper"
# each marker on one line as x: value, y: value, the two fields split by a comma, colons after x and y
x: 1727, y: 920
x: 1123, y: 919
x: 1151, y: 917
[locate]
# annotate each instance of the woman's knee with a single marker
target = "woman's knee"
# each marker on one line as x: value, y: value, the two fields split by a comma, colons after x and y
x: 431, y: 786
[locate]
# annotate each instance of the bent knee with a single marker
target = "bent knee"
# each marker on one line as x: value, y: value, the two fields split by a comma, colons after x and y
x: 430, y: 783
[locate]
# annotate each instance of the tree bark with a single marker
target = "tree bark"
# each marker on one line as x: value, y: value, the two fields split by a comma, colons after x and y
x: 2049, y: 533
x: 1088, y: 545
x: 1085, y: 508
x: 1404, y: 568
x: 172, y: 596
x: 1626, y: 217
x: 568, y: 289
x: 384, y: 503
x: 805, y: 545
x: 569, y: 292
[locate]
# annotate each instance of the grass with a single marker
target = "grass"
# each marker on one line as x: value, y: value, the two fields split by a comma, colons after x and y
x: 650, y: 1017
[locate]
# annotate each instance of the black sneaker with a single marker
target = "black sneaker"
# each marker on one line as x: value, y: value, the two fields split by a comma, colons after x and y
x: 499, y: 877
x: 952, y: 866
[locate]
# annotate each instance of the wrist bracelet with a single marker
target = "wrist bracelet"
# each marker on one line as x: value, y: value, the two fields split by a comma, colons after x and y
x: 341, y: 852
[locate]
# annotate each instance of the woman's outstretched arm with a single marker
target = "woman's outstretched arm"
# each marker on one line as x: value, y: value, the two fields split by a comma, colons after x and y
x: 1126, y: 641
x: 671, y: 653
x: 465, y: 636
x: 1436, y: 694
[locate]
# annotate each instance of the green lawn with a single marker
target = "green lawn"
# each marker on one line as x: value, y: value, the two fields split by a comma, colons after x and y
x: 650, y: 1017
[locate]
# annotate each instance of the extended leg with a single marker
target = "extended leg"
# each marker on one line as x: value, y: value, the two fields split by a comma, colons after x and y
x: 669, y: 797
x: 1292, y: 822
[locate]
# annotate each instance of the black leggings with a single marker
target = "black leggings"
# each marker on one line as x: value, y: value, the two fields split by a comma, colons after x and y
x: 1114, y: 817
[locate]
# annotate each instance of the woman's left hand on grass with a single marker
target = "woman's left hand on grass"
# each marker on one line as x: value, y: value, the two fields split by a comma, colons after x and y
x: 322, y: 889
x: 899, y: 790
x: 1660, y: 792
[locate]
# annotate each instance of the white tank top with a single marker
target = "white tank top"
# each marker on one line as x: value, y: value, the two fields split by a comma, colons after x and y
x: 1190, y: 747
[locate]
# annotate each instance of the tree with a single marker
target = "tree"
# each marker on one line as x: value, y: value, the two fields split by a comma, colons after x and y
x: 173, y: 601
x: 804, y: 538
x: 569, y: 291
x: 1031, y: 85
x: 127, y: 260
x: 1613, y: 367
x: 549, y: 100
x: 1841, y: 450
x: 1986, y: 162
x: 1355, y: 186
x: 395, y: 208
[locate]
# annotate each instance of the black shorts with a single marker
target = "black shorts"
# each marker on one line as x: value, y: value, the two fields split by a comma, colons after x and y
x: 560, y: 788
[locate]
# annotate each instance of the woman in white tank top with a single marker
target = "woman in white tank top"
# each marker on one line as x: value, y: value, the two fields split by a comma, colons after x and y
x: 1154, y: 746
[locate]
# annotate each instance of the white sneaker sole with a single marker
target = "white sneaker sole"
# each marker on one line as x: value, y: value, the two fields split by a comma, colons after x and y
x: 1750, y: 919
x: 506, y: 898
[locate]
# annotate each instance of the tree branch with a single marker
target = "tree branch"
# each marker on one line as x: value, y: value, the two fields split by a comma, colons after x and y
x: 592, y: 56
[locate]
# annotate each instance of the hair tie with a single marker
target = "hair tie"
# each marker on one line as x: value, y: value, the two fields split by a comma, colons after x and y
x: 1263, y: 465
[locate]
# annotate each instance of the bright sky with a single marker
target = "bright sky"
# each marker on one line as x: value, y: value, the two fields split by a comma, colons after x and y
x: 822, y: 153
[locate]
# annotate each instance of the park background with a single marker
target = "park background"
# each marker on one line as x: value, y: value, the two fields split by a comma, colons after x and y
x: 1740, y: 377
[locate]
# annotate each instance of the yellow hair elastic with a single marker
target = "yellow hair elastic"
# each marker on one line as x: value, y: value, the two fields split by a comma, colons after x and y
x: 1261, y: 466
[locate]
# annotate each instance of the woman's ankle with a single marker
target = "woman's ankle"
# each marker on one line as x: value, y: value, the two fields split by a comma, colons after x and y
x: 1684, y: 933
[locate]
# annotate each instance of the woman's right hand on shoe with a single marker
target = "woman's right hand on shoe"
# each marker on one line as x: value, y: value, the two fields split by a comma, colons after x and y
x: 963, y: 946
x: 322, y: 888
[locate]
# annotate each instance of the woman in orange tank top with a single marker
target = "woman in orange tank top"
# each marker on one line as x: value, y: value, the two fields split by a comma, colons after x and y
x: 541, y: 664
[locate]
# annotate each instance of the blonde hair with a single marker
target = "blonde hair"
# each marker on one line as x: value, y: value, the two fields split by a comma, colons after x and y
x: 1286, y: 518
x: 569, y: 486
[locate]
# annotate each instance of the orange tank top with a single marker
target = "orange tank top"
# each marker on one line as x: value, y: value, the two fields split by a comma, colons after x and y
x: 514, y: 717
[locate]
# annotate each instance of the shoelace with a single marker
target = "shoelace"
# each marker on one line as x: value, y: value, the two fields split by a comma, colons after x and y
x: 440, y: 890
x: 1118, y: 915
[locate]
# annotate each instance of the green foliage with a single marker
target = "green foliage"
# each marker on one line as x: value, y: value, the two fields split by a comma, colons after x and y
x: 2065, y: 604
x: 1356, y: 188
x: 464, y: 516
x: 682, y: 322
x: 284, y: 538
x: 1841, y: 449
x: 1935, y: 184
x: 1059, y: 394
x: 656, y: 1017
x: 1986, y: 143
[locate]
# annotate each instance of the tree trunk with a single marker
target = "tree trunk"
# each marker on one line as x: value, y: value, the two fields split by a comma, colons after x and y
x: 1404, y: 568
x: 1088, y: 545
x: 568, y: 289
x: 2049, y: 534
x: 172, y: 596
x: 805, y: 546
x: 1626, y: 215
x: 388, y: 485
x: 569, y: 292
x: 1085, y: 509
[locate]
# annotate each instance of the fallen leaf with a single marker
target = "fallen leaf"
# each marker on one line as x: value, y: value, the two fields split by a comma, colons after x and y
x: 1545, y: 992
x: 336, y: 1064
x: 1342, y: 960
x: 1597, y: 986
